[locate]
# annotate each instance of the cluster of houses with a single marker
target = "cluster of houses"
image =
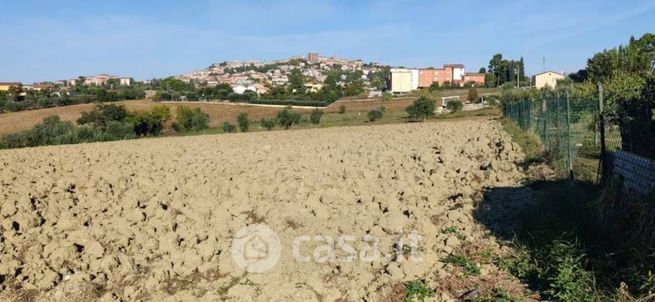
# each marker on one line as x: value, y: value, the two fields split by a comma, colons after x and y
x: 404, y: 80
x: 259, y: 76
x: 98, y: 80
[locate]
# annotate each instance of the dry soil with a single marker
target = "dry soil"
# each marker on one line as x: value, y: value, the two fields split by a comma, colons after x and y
x: 155, y: 218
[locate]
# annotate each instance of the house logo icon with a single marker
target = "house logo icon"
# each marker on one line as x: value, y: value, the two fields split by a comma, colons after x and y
x: 256, y: 248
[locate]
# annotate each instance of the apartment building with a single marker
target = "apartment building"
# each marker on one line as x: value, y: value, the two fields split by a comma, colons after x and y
x: 453, y: 74
x: 401, y: 80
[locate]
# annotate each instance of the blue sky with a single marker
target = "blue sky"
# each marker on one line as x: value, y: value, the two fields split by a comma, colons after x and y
x: 51, y: 40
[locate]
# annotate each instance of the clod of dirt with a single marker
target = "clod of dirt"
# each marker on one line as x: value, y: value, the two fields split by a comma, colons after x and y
x: 121, y: 220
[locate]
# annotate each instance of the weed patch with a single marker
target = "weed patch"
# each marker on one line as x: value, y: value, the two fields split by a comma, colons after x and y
x: 417, y: 289
x: 468, y: 265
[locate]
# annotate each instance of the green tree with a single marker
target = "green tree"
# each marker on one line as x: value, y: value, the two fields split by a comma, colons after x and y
x: 243, y: 121
x: 286, y: 118
x: 496, y: 67
x: 267, y: 123
x: 331, y: 91
x: 376, y: 114
x: 191, y: 119
x: 296, y: 82
x: 315, y: 116
x: 422, y: 108
x: 490, y: 80
x: 173, y: 84
x: 634, y: 58
x: 354, y: 83
x: 454, y: 106
x: 199, y: 120
x: 162, y: 113
x: 102, y: 114
x: 228, y: 128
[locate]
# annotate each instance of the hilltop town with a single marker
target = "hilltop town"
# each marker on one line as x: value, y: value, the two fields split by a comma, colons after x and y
x: 262, y: 76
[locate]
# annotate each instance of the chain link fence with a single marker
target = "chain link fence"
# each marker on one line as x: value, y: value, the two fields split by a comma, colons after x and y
x: 569, y: 129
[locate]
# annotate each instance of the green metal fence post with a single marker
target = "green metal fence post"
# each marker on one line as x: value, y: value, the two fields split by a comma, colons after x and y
x: 603, y: 147
x: 568, y: 130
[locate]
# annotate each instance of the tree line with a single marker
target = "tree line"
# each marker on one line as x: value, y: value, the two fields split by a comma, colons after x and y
x: 18, y: 99
x: 106, y: 122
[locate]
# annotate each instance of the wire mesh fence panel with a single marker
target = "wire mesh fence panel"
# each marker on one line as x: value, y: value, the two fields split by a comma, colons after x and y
x: 568, y: 130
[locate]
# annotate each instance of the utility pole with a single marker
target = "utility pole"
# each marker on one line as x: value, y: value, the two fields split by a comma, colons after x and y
x: 518, y: 83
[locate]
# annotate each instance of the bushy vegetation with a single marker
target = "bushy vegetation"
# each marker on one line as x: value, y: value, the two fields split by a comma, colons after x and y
x: 267, y: 123
x: 243, y: 121
x: 468, y: 266
x: 342, y: 109
x: 106, y: 122
x: 287, y: 118
x: 315, y: 116
x: 190, y: 119
x: 14, y: 100
x: 417, y: 290
x: 228, y: 127
x: 582, y: 242
x: 386, y: 97
x: 421, y: 109
x: 376, y: 114
x: 454, y: 106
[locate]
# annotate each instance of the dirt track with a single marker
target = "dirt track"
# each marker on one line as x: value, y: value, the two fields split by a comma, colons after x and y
x: 156, y: 218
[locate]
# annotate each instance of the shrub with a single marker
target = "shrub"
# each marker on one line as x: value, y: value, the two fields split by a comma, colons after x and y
x: 86, y: 133
x: 422, y: 108
x: 103, y: 114
x: 267, y: 123
x: 315, y: 116
x: 228, y: 128
x: 116, y: 130
x: 162, y: 113
x: 162, y: 96
x: 636, y: 116
x: 190, y: 119
x: 243, y: 121
x: 387, y: 96
x: 183, y: 117
x: 200, y: 120
x: 376, y: 114
x: 454, y: 106
x: 145, y: 123
x: 286, y: 118
x: 45, y: 132
x: 14, y: 140
x: 342, y: 109
x: 473, y: 96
